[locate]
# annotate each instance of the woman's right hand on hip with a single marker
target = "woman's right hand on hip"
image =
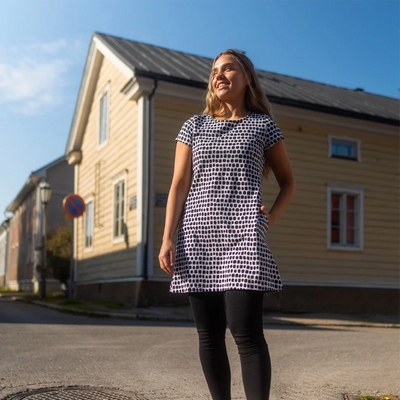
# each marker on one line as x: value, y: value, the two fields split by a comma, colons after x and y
x: 166, y: 256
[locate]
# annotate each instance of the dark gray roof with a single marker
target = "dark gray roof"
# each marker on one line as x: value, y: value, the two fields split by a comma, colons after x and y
x: 192, y: 70
x: 33, y: 180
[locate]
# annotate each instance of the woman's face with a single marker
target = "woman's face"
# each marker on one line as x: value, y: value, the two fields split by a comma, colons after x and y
x: 229, y: 81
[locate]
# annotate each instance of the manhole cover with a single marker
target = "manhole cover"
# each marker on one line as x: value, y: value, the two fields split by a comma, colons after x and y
x: 74, y: 393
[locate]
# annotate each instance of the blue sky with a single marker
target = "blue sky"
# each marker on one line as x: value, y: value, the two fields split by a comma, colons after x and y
x: 44, y: 44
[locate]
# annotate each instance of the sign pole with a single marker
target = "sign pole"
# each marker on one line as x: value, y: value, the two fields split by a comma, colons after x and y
x: 71, y: 263
x: 74, y: 207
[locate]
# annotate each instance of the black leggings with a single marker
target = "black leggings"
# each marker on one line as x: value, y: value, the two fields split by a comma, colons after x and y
x: 243, y: 311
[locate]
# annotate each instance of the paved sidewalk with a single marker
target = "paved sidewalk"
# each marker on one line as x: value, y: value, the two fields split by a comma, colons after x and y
x: 184, y: 314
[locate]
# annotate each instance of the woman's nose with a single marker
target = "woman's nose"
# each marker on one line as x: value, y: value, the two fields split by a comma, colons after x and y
x: 218, y: 74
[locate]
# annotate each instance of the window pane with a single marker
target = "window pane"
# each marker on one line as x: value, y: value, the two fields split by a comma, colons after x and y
x: 350, y: 236
x: 335, y: 201
x: 116, y: 228
x: 89, y: 225
x: 347, y: 150
x: 344, y: 149
x: 335, y: 218
x: 350, y: 202
x: 104, y: 118
x: 335, y: 235
x: 350, y: 219
x: 101, y: 120
x: 122, y: 200
x: 116, y: 208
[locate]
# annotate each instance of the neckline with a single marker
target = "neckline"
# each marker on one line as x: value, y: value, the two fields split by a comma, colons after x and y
x: 230, y: 120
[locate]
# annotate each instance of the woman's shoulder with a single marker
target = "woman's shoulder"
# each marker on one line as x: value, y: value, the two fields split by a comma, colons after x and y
x: 198, y: 117
x: 261, y: 117
x: 195, y: 119
x: 266, y: 120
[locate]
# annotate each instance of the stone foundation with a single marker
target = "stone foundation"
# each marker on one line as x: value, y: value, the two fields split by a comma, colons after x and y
x: 335, y: 299
x: 300, y: 299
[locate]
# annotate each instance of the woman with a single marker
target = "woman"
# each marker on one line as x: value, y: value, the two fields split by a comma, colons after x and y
x: 222, y: 258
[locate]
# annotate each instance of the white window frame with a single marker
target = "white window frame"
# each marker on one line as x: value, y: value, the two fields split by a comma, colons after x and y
x: 88, y: 200
x: 345, y: 189
x: 116, y: 180
x: 345, y: 139
x: 104, y: 92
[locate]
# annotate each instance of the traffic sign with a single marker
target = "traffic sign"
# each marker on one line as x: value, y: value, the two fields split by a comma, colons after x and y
x: 74, y: 206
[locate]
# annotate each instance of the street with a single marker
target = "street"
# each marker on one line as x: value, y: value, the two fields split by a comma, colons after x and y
x: 158, y: 360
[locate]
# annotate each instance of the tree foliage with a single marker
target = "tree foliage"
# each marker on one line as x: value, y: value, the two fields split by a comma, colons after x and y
x: 59, y: 253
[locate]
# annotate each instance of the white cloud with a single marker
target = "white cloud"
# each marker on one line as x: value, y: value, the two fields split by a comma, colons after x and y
x: 32, y: 78
x: 50, y: 48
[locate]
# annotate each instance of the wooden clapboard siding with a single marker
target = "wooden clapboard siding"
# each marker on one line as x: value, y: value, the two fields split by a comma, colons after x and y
x: 298, y: 239
x: 118, y: 155
x: 169, y: 118
x: 110, y: 265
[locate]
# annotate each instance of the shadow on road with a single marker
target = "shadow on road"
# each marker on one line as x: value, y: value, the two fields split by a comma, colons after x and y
x: 19, y: 312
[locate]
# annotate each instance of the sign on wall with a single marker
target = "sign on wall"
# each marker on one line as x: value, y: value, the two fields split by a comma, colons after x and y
x: 74, y: 206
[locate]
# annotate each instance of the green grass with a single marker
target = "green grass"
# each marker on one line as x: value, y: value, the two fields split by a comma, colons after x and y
x: 9, y: 291
x: 85, y: 305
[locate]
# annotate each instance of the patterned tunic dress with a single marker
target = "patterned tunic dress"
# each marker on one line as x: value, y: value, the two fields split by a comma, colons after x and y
x: 222, y: 232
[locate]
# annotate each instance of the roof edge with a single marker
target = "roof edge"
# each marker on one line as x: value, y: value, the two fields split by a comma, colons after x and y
x: 30, y: 184
x: 97, y: 44
x: 34, y: 178
x: 332, y: 110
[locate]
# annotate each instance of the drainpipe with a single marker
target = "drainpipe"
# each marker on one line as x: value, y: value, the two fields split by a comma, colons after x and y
x: 149, y: 188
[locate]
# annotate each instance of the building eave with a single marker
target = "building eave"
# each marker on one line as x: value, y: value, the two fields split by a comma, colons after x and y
x: 334, y: 111
x: 29, y: 186
x: 97, y: 51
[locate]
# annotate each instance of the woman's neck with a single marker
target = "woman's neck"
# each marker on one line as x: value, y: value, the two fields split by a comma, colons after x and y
x: 231, y: 111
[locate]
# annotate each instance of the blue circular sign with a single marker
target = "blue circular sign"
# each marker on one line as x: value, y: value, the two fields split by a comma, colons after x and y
x: 74, y: 205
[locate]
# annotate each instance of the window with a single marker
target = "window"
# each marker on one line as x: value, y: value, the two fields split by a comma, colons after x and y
x: 345, y: 219
x: 341, y: 147
x: 89, y: 225
x: 103, y: 118
x: 119, y: 209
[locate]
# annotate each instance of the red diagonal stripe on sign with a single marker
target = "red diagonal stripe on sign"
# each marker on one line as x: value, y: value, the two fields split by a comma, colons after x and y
x: 74, y: 205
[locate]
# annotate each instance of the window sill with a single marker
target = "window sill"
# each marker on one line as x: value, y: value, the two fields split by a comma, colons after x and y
x: 345, y: 248
x: 345, y: 157
x: 119, y: 239
x: 100, y: 146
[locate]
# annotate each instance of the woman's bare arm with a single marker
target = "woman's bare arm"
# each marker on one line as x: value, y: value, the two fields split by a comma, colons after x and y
x: 178, y: 192
x: 280, y: 165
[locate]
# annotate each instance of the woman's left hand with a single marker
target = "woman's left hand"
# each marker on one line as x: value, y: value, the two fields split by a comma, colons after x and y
x: 268, y: 215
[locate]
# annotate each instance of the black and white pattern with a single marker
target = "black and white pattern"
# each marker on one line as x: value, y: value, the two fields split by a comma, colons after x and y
x: 221, y: 235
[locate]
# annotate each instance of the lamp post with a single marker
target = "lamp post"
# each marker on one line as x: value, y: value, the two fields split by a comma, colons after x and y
x: 45, y: 195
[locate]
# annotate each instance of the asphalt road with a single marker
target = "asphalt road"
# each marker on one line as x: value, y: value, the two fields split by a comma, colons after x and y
x: 40, y: 347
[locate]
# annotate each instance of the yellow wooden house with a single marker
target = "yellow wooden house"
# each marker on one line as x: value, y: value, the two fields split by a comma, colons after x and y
x: 336, y: 246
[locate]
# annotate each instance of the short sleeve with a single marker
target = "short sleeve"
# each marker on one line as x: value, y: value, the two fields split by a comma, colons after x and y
x: 186, y: 132
x: 273, y: 134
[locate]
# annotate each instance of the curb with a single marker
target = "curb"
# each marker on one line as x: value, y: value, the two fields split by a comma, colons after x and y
x: 144, y: 315
x: 132, y: 316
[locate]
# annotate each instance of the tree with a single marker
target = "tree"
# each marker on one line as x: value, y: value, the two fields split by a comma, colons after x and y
x: 59, y: 253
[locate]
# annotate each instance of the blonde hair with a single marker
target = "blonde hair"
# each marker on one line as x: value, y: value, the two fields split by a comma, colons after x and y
x: 255, y: 99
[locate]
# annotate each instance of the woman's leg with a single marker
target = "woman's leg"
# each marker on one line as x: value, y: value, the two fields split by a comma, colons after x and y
x: 244, y: 313
x: 209, y: 315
